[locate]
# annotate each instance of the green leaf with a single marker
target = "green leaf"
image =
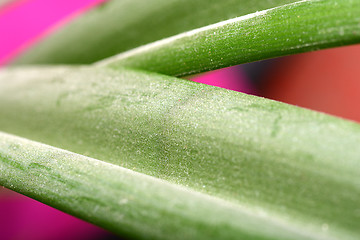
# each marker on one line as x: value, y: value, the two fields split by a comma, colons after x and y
x: 128, y: 203
x: 294, y: 28
x: 118, y: 26
x: 281, y: 164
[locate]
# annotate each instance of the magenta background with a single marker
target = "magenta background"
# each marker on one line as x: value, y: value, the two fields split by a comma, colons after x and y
x: 24, y: 22
x: 24, y: 218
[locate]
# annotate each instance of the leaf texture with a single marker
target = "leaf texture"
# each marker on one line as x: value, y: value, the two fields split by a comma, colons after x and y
x: 290, y: 164
x: 288, y: 29
x: 126, y: 202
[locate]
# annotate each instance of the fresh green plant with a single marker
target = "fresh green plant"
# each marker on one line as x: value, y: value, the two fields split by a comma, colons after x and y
x: 178, y: 159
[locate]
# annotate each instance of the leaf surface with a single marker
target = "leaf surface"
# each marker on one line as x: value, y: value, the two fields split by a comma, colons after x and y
x: 288, y: 29
x: 126, y: 202
x: 292, y: 165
